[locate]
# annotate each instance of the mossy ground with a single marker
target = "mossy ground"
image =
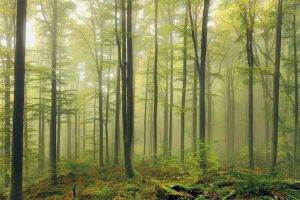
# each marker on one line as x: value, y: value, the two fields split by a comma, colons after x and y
x: 110, y: 183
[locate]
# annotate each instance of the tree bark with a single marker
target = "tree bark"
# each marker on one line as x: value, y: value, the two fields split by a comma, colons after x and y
x: 130, y: 96
x: 155, y: 82
x: 184, y: 76
x: 276, y: 88
x: 53, y: 153
x: 19, y: 73
x: 117, y: 114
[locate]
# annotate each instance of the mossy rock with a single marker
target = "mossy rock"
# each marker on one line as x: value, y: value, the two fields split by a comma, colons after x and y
x: 167, y: 193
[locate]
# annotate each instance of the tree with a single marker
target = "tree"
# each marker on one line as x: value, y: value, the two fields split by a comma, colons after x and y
x: 276, y: 88
x: 53, y: 166
x: 117, y: 114
x: 201, y: 74
x: 184, y: 75
x: 155, y: 83
x: 130, y: 97
x: 19, y: 74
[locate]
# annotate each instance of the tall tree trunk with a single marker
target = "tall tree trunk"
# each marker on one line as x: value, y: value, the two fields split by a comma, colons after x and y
x: 184, y: 75
x: 171, y: 94
x: 145, y: 111
x: 296, y: 109
x: 69, y: 136
x: 19, y: 73
x: 194, y: 112
x: 276, y: 88
x: 130, y: 97
x: 53, y: 167
x: 41, y: 145
x: 267, y: 109
x: 166, y: 118
x: 94, y: 128
x: 59, y: 108
x: 117, y: 114
x: 76, y: 133
x: 155, y: 98
x: 107, y: 114
x: 124, y: 69
x: 202, y: 84
x: 84, y: 131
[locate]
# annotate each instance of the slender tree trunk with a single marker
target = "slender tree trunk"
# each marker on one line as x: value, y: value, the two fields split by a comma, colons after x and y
x: 202, y: 84
x: 296, y: 114
x: 276, y: 88
x: 94, y: 129
x: 19, y: 73
x: 69, y: 136
x: 166, y: 118
x: 107, y: 115
x: 155, y: 98
x: 184, y: 76
x: 145, y: 111
x: 265, y: 85
x: 76, y: 134
x: 117, y: 114
x: 124, y: 69
x: 41, y: 145
x: 194, y: 112
x: 84, y: 132
x: 130, y: 97
x: 59, y: 107
x: 171, y: 95
x: 53, y: 167
x: 101, y: 152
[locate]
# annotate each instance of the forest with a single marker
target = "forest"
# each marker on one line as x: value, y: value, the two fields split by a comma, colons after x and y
x: 149, y: 99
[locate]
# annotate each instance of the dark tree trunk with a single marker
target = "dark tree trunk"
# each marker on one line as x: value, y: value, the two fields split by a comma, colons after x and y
x: 250, y: 96
x: 202, y: 84
x: 184, y: 76
x: 124, y: 69
x: 52, y: 151
x: 201, y: 74
x: 155, y: 84
x: 117, y: 114
x: 19, y: 73
x: 276, y: 88
x: 130, y: 97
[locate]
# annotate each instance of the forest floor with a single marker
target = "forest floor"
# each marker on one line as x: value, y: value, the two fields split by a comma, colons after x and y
x: 162, y: 182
